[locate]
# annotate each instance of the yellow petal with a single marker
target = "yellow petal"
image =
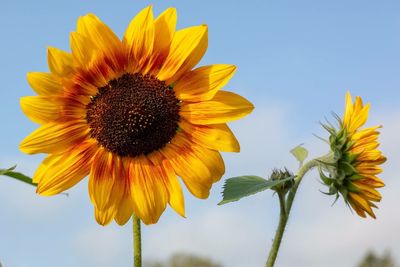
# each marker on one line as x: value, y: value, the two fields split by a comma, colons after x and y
x: 368, y: 191
x: 106, y: 186
x: 369, y: 156
x: 358, y: 105
x: 187, y: 48
x: 362, y: 203
x: 359, y: 118
x: 366, y: 141
x: 348, y: 111
x: 124, y: 211
x: 358, y: 210
x: 139, y: 37
x: 44, y: 83
x: 55, y: 137
x: 204, y: 82
x: 197, y: 166
x: 99, y: 33
x: 366, y: 150
x: 214, y: 136
x: 190, y: 177
x: 381, y: 160
x: 175, y: 193
x: 83, y: 49
x: 164, y: 30
x: 104, y: 217
x: 60, y: 172
x: 368, y: 168
x: 224, y: 107
x: 148, y: 192
x: 372, y: 181
x: 212, y: 159
x: 164, y: 27
x: 40, y: 109
x: 364, y: 133
x: 43, y: 109
x: 60, y: 62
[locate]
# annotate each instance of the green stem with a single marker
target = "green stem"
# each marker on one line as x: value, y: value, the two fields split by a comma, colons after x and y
x: 285, y: 207
x: 137, y: 242
x: 300, y: 174
x: 279, y: 232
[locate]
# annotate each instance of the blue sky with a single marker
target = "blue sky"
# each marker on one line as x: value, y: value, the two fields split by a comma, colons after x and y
x: 295, y: 61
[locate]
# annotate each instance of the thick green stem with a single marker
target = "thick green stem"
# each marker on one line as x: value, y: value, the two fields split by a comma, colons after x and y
x: 137, y: 242
x: 279, y: 232
x: 285, y: 207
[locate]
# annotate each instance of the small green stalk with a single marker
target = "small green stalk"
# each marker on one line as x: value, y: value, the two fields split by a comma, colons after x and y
x: 285, y: 207
x: 137, y: 242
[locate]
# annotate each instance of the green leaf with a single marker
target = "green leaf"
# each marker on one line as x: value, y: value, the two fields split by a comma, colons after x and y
x: 20, y: 176
x: 16, y: 175
x: 300, y: 153
x: 3, y: 171
x: 238, y: 187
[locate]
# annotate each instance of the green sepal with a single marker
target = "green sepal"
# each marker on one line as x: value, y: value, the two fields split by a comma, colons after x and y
x: 350, y: 157
x: 325, y: 179
x: 349, y: 144
x: 325, y: 163
x: 332, y: 189
x: 340, y: 176
x: 327, y: 193
x: 355, y: 177
x: 337, y: 154
x: 341, y: 140
x: 334, y: 146
x: 347, y: 168
x: 352, y: 188
x: 344, y: 192
x: 329, y: 128
x: 336, y: 199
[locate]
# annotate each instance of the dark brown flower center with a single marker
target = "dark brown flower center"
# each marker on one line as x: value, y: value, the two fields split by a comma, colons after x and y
x: 134, y: 114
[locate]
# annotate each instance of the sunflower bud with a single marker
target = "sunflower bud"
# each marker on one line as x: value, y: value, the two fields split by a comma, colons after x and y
x: 284, y: 175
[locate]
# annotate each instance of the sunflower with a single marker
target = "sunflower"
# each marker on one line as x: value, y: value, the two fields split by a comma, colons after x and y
x: 133, y: 115
x: 355, y: 159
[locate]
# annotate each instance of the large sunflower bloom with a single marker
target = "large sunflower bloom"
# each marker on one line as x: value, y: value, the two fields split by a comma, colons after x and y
x: 355, y: 159
x: 133, y: 115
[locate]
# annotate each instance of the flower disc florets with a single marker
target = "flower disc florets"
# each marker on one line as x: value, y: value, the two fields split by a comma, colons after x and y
x: 134, y: 114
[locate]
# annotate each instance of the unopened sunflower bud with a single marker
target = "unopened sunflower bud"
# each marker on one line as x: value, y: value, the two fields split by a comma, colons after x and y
x: 286, y: 176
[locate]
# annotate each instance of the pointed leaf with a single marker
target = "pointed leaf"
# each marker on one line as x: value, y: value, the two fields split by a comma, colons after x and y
x: 238, y: 187
x: 3, y: 171
x: 16, y: 175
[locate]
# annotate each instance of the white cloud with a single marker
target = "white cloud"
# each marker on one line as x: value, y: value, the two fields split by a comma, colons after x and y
x: 21, y: 198
x: 102, y: 246
x: 220, y: 234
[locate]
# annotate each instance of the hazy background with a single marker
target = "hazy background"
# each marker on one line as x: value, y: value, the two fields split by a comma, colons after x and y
x: 295, y: 61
